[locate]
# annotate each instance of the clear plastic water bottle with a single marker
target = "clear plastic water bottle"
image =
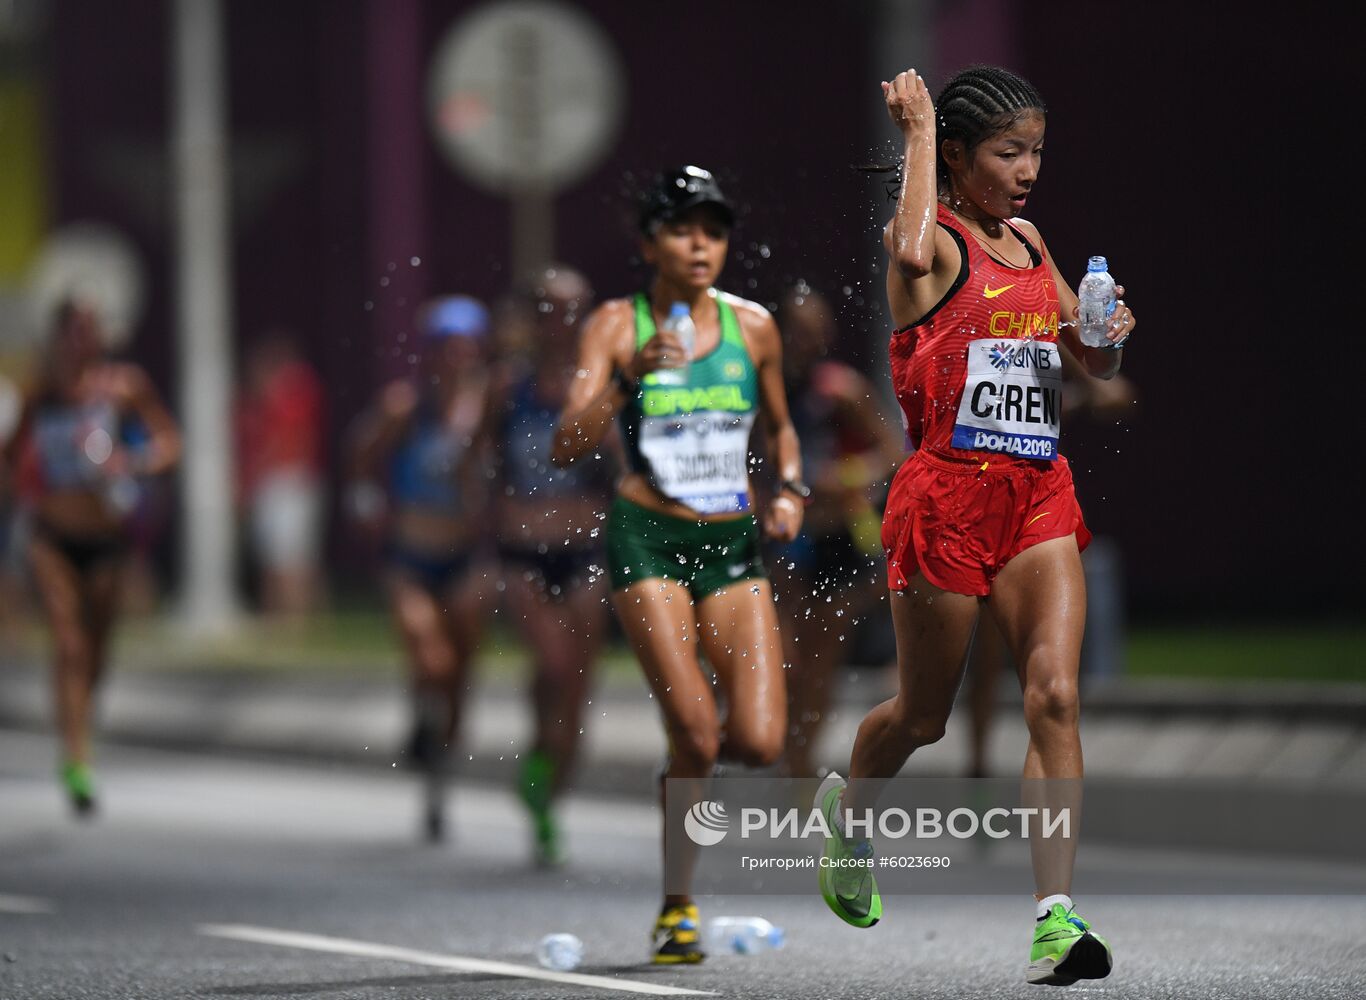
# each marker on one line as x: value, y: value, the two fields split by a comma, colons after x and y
x: 561, y: 952
x: 1097, y: 295
x: 681, y: 325
x: 744, y: 935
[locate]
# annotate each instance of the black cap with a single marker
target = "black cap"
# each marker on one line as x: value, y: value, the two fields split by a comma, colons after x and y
x: 677, y: 190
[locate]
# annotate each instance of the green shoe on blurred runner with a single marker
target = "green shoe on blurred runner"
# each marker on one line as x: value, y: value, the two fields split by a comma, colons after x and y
x: 79, y: 783
x: 535, y: 782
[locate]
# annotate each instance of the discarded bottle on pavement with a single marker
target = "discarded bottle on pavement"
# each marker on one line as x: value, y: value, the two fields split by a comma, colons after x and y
x: 744, y: 935
x: 561, y: 952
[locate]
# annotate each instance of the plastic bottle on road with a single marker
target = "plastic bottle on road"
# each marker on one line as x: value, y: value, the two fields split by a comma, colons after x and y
x: 744, y: 935
x: 560, y: 952
x: 681, y: 325
x: 1097, y: 297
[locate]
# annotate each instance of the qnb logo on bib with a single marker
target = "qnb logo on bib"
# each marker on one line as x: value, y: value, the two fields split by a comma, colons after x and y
x: 1012, y: 399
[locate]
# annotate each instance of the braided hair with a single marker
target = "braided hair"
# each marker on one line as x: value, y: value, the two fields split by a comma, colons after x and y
x: 978, y: 103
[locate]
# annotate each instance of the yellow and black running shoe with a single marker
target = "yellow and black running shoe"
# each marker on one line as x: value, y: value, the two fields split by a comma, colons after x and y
x: 677, y: 937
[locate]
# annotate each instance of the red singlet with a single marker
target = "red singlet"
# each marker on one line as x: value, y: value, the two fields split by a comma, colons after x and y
x: 979, y: 380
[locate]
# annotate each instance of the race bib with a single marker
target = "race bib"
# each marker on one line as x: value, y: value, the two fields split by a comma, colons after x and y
x: 1012, y: 399
x: 700, y: 459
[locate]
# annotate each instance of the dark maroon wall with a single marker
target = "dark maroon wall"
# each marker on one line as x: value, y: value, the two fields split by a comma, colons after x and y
x: 1207, y: 155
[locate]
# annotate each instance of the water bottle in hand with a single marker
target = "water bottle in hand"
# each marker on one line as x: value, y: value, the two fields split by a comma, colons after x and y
x: 561, y: 952
x: 744, y: 935
x: 1097, y: 297
x: 680, y: 324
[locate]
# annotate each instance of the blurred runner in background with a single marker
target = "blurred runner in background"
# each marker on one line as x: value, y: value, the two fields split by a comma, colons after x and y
x: 279, y: 463
x: 831, y: 573
x: 82, y: 480
x: 550, y: 542
x: 417, y: 473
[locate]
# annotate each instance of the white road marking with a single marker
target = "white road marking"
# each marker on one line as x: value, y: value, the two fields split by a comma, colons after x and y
x: 25, y: 904
x: 366, y: 949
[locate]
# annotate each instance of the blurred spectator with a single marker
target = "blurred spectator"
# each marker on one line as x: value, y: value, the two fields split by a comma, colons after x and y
x: 418, y: 474
x: 549, y: 541
x: 831, y: 574
x: 279, y: 460
x: 82, y: 482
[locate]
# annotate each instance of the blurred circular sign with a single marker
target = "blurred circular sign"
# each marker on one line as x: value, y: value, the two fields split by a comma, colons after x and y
x: 96, y: 264
x: 525, y: 94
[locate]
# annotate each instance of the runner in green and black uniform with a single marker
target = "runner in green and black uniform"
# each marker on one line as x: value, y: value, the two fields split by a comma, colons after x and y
x: 682, y: 537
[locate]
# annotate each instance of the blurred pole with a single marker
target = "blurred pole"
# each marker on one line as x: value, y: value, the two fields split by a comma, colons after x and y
x: 25, y: 170
x: 203, y: 312
x: 533, y: 203
x: 901, y: 39
x: 397, y: 190
x: 936, y: 40
x: 533, y: 231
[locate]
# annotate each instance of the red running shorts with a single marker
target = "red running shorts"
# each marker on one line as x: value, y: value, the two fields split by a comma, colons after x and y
x: 958, y: 524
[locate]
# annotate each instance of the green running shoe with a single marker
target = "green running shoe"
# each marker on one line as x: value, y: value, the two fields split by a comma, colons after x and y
x: 1065, y: 950
x: 79, y: 783
x: 534, y: 784
x: 849, y: 890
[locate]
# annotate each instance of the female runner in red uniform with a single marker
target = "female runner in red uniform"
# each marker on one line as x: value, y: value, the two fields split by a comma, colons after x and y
x: 984, y: 511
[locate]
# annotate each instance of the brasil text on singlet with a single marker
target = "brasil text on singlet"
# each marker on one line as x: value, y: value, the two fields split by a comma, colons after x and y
x: 691, y: 437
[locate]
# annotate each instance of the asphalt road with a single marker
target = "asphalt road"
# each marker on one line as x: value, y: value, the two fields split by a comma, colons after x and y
x: 206, y: 877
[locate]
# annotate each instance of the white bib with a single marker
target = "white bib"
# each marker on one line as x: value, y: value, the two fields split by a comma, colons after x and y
x: 700, y: 459
x: 1012, y: 399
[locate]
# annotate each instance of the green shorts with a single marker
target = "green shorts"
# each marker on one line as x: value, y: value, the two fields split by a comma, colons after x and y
x: 704, y: 556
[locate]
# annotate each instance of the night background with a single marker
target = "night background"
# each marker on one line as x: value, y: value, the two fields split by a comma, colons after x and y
x: 257, y: 769
x: 1197, y: 150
